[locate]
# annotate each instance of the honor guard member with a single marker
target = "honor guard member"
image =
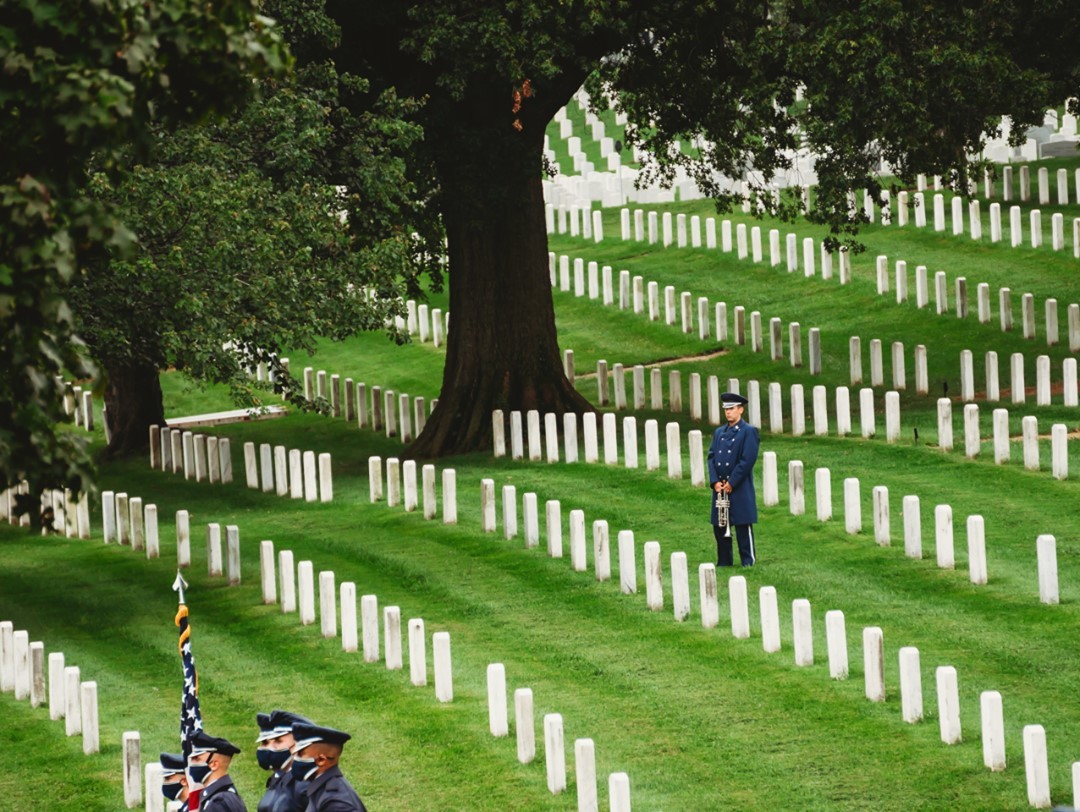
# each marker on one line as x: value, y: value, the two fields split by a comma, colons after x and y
x: 208, y: 765
x: 283, y: 792
x: 732, y: 455
x: 315, y: 759
x: 174, y: 782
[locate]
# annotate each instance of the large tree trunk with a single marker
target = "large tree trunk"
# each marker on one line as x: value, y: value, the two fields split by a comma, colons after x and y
x: 502, y: 350
x: 134, y: 404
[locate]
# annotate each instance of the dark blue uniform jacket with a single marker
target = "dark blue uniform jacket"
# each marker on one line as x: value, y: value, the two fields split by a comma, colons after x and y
x: 330, y: 792
x: 732, y: 455
x: 221, y: 797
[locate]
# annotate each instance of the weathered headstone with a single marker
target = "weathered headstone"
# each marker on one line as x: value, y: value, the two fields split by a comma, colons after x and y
x: 740, y: 611
x: 852, y: 506
x: 802, y: 632
x: 449, y: 485
x: 874, y: 664
x: 1036, y: 769
x: 912, y: 527
x: 444, y: 678
x: 948, y: 704
x: 524, y: 724
x: 1046, y: 549
x: 892, y: 416
x: 836, y: 640
x: 911, y: 699
x: 993, y: 730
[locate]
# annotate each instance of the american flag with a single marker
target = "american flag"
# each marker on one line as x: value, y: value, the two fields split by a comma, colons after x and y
x: 190, y: 716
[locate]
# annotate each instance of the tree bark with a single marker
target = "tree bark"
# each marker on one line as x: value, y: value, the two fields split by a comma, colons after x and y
x: 134, y: 403
x: 502, y: 348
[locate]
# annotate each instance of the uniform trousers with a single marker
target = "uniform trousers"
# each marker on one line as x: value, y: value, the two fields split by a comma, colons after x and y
x: 744, y: 534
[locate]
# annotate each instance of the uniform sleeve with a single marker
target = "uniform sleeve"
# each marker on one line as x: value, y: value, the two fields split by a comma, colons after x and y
x: 710, y: 460
x: 747, y: 457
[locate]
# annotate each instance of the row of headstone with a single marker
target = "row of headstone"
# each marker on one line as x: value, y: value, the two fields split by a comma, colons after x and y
x: 61, y: 512
x: 289, y: 472
x: 199, y: 457
x: 974, y: 219
x: 747, y: 242
x: 881, y: 517
x: 803, y: 642
x: 1051, y: 329
x: 568, y: 449
x: 1018, y: 379
x: 597, y: 283
x: 127, y: 521
x: 897, y: 354
x: 23, y: 673
x: 1061, y: 191
x: 740, y: 625
x: 1003, y: 439
x: 427, y: 324
x: 300, y: 592
x: 574, y: 220
x: 385, y: 411
x: 542, y: 433
x: 399, y: 487
x: 554, y: 746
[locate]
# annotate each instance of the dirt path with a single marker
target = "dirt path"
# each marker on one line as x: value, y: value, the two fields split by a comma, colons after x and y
x: 667, y: 362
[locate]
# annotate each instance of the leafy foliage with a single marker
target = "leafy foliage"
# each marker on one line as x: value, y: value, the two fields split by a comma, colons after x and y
x: 80, y: 80
x: 244, y: 249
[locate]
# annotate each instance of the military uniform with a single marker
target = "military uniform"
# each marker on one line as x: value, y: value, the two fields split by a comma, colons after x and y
x: 732, y: 454
x: 330, y: 792
x: 221, y: 796
x: 173, y: 764
x: 284, y: 793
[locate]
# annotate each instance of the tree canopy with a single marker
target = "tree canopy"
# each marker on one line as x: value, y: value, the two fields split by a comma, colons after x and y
x: 83, y: 80
x: 247, y: 247
x: 915, y: 85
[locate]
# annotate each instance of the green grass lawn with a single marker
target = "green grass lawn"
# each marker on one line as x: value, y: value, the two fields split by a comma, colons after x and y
x: 699, y: 720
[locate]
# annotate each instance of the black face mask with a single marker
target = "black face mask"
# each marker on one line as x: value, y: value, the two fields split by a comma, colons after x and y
x: 172, y: 791
x: 302, y: 768
x: 272, y: 759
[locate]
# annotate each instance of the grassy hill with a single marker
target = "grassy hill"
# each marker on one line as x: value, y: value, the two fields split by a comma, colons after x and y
x: 699, y: 720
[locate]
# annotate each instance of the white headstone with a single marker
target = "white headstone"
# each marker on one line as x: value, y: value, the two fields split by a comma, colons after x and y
x: 948, y: 704
x: 369, y: 627
x: 577, y: 541
x: 993, y: 730
x: 444, y: 677
x: 132, y: 760
x: 328, y: 604
x: 496, y: 692
x: 287, y: 580
x: 836, y: 638
x: 911, y: 700
x: 305, y: 589
x: 740, y: 611
x: 627, y: 565
x: 1036, y: 769
x: 524, y: 725
x: 392, y: 637
x: 874, y: 663
x: 417, y: 652
x: 347, y: 597
x: 1046, y: 549
x: 553, y: 526
x: 802, y: 632
x: 823, y: 494
x: 654, y: 577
